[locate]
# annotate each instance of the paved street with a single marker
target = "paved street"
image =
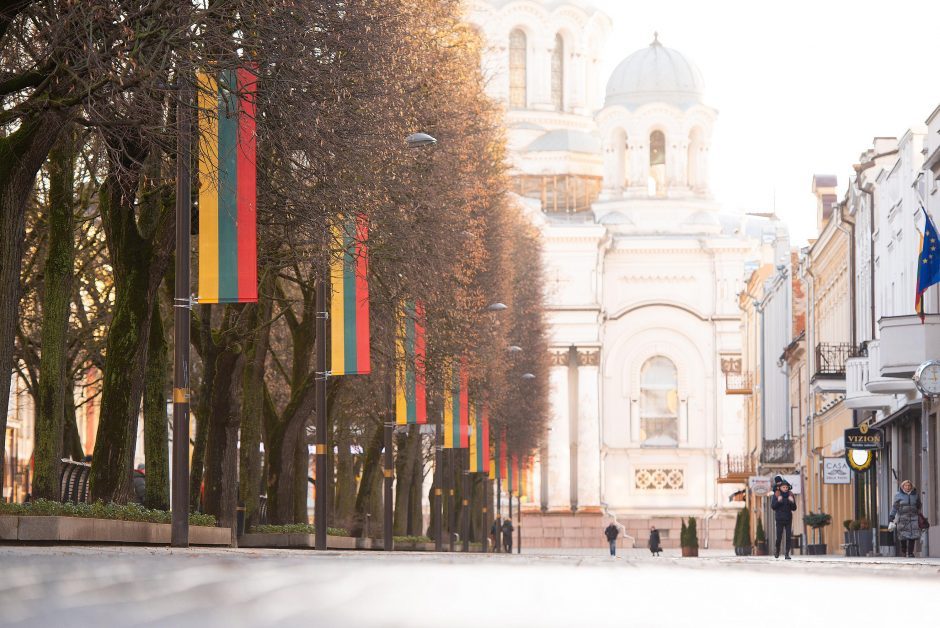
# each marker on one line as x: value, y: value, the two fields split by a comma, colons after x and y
x: 119, y: 586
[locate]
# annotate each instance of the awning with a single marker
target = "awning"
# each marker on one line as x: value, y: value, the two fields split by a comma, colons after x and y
x: 910, y: 411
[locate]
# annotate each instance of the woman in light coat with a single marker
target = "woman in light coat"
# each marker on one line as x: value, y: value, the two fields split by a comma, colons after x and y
x: 905, y: 518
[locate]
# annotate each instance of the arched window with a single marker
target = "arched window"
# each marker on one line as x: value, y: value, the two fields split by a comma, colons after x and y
x: 659, y: 403
x: 517, y: 69
x: 657, y: 178
x: 621, y: 168
x: 693, y: 173
x: 558, y: 74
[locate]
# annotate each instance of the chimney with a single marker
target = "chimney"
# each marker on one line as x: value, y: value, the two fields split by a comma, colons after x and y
x: 824, y: 187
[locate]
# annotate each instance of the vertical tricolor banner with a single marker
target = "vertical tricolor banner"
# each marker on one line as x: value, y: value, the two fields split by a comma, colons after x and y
x: 456, y: 406
x: 514, y: 478
x: 228, y: 258
x: 501, y: 465
x: 473, y: 462
x: 349, y: 298
x: 483, y: 439
x: 411, y: 394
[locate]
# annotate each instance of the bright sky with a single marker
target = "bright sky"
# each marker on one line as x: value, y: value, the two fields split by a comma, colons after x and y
x: 801, y: 87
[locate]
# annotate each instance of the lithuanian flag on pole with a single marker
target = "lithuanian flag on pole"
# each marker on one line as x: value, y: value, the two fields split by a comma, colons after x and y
x: 472, y: 429
x: 349, y: 299
x: 228, y: 258
x: 411, y: 395
x: 456, y: 407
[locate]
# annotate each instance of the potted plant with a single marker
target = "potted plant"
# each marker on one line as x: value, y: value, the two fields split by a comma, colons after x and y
x: 742, y: 533
x: 851, y: 537
x: 760, y: 539
x: 864, y: 537
x: 816, y: 521
x: 688, y: 538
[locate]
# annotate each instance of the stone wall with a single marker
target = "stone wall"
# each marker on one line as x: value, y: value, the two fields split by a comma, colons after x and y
x: 586, y: 530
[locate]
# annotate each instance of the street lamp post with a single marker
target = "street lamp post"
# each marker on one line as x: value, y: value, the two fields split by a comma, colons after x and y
x: 182, y: 304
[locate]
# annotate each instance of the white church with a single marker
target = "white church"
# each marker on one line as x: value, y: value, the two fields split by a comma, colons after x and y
x: 644, y: 272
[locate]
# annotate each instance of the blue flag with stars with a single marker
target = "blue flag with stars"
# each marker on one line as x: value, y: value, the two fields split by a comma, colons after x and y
x: 928, y: 264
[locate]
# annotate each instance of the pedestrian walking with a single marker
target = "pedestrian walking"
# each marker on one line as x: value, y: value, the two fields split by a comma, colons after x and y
x: 507, y: 535
x: 907, y: 518
x: 783, y: 504
x: 494, y: 532
x: 655, y: 544
x: 612, y: 532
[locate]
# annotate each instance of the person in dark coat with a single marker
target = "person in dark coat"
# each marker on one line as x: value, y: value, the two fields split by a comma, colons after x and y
x: 612, y: 532
x: 494, y: 532
x: 655, y: 544
x: 783, y: 504
x: 507, y: 535
x: 905, y: 517
x: 140, y: 483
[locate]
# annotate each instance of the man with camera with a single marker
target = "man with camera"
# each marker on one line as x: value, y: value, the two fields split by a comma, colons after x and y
x: 783, y: 505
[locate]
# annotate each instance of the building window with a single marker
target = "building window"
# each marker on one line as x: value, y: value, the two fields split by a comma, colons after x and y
x: 659, y: 403
x: 517, y: 69
x: 558, y: 74
x: 657, y: 178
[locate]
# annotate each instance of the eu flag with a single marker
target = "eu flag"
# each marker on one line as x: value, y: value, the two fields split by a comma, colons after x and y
x: 928, y: 266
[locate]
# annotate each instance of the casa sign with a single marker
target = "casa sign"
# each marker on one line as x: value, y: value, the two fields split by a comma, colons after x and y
x: 864, y: 437
x: 836, y: 471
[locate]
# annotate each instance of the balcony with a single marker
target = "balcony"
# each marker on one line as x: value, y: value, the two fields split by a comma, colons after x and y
x: 906, y: 343
x: 857, y: 376
x: 738, y: 384
x: 830, y: 366
x: 777, y: 451
x: 878, y: 384
x: 735, y: 470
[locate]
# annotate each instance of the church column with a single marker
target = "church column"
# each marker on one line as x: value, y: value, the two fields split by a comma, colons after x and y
x: 588, y: 429
x: 574, y: 400
x: 558, y: 474
x: 575, y: 83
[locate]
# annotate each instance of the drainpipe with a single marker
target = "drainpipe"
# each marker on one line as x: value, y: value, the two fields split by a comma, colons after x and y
x: 811, y: 364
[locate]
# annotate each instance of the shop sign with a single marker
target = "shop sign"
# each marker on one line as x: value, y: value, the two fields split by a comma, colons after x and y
x: 836, y: 471
x: 864, y: 437
x: 759, y: 484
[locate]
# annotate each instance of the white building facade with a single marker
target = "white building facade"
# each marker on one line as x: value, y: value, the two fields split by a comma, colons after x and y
x: 643, y: 272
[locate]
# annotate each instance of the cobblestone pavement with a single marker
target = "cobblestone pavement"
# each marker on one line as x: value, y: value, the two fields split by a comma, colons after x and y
x: 139, y: 586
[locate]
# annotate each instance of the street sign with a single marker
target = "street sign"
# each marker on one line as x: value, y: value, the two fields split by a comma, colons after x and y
x: 759, y: 484
x: 864, y: 437
x: 836, y: 471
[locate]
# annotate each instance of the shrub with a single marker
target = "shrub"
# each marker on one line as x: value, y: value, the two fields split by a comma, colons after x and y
x: 817, y: 520
x: 412, y: 539
x: 296, y: 528
x: 739, y: 529
x: 745, y: 528
x: 864, y: 524
x: 759, y: 535
x: 847, y: 524
x: 683, y: 535
x: 99, y: 510
x: 691, y: 535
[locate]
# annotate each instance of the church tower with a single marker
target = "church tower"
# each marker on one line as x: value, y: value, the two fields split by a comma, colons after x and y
x: 643, y: 273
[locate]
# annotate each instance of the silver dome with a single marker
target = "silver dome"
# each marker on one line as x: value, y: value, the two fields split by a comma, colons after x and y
x: 655, y: 74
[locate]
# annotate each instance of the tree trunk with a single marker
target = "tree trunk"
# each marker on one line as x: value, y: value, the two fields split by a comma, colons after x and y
x: 156, y: 437
x: 253, y: 406
x: 222, y: 445
x: 408, y: 451
x: 21, y: 155
x: 371, y: 469
x: 71, y: 439
x: 139, y: 266
x: 203, y: 407
x: 57, y: 283
x: 345, y: 502
x: 416, y: 520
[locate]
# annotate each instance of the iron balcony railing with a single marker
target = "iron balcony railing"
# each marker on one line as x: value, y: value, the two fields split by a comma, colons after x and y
x: 831, y: 357
x: 738, y: 384
x: 777, y: 451
x: 735, y: 469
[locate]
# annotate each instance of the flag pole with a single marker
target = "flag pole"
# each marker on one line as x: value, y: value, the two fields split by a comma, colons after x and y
x: 182, y: 304
x: 438, y: 477
x: 321, y: 503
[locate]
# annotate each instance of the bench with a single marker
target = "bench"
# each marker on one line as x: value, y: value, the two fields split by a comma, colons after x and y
x: 73, y: 481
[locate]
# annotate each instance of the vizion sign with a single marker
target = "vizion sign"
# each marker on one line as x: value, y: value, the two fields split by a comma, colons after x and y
x: 864, y: 437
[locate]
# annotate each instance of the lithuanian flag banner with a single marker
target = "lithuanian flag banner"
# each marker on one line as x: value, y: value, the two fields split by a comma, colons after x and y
x: 472, y: 429
x: 228, y: 258
x: 514, y: 478
x: 349, y: 299
x: 410, y: 396
x: 483, y: 440
x: 501, y: 457
x: 456, y: 407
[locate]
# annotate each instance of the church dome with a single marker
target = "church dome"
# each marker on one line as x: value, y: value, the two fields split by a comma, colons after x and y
x: 655, y: 74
